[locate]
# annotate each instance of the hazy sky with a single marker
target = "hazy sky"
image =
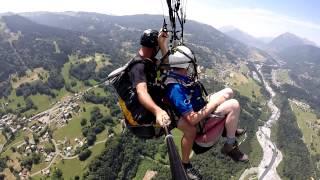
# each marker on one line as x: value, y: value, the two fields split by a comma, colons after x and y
x: 257, y: 17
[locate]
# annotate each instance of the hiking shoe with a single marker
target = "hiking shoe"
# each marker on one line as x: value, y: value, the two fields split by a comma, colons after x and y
x: 233, y: 151
x: 239, y: 132
x: 192, y: 173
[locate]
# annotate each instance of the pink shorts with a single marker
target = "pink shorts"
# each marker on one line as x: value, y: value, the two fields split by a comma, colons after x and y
x: 212, y: 131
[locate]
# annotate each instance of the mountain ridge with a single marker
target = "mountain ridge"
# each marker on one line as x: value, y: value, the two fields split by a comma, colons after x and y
x: 242, y: 36
x: 286, y: 40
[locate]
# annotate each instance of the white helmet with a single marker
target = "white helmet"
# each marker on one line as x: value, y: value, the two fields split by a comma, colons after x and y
x: 181, y: 58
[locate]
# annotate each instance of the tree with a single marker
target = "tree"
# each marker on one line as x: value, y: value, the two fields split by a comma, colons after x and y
x: 35, y: 158
x: 73, y: 83
x: 91, y: 138
x: 13, y: 149
x: 85, y: 130
x: 83, y: 122
x: 35, y: 138
x: 83, y: 71
x: 84, y: 154
x: 49, y: 148
x: 55, y: 80
x: 3, y: 164
x: 57, y: 174
x: 26, y: 139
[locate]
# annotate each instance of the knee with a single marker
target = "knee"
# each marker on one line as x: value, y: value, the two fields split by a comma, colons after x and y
x: 234, y: 104
x: 228, y: 93
x: 189, y: 131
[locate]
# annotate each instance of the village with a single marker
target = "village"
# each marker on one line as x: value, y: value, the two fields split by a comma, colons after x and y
x: 38, y: 142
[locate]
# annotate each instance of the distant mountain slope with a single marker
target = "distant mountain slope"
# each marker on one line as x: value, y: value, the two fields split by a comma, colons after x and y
x: 265, y: 40
x: 32, y: 41
x: 287, y: 40
x: 200, y: 35
x: 25, y: 44
x: 303, y: 61
x: 301, y: 54
x: 30, y: 45
x: 242, y: 37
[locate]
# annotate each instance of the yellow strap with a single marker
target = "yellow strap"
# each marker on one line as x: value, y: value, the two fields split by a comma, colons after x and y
x: 158, y: 76
x: 127, y: 113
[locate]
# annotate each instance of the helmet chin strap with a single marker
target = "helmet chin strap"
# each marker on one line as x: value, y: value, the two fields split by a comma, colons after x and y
x: 156, y: 51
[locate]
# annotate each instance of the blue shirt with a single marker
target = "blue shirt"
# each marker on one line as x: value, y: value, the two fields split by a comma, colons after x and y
x: 184, y: 99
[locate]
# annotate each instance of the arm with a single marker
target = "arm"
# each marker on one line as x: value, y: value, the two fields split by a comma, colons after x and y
x: 178, y: 96
x: 145, y: 99
x: 195, y: 117
x: 163, y: 43
x: 139, y: 81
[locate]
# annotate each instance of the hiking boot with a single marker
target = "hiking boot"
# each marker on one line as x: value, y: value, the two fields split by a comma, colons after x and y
x: 192, y: 173
x: 239, y: 132
x: 233, y: 151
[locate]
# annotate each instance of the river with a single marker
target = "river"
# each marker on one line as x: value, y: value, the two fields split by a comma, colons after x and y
x: 272, y: 156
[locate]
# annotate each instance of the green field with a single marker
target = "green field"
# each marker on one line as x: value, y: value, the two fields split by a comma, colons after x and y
x: 98, y: 91
x: 244, y: 68
x: 13, y: 101
x: 59, y: 94
x: 13, y: 156
x: 74, y: 167
x: 144, y: 166
x: 309, y: 126
x: 31, y: 75
x: 101, y: 60
x: 18, y: 139
x: 38, y: 167
x: 282, y: 76
x: 68, y: 78
x: 265, y: 113
x: 73, y: 129
x: 2, y: 138
x: 42, y: 102
x: 102, y: 136
x: 246, y: 86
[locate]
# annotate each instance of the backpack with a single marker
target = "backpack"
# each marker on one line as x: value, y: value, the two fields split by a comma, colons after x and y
x: 120, y: 81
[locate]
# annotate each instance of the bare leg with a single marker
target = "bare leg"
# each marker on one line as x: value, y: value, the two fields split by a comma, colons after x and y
x: 221, y: 96
x: 229, y: 107
x: 232, y: 109
x: 189, y: 134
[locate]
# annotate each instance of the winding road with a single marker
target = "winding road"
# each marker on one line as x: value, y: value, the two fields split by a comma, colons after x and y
x: 272, y: 156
